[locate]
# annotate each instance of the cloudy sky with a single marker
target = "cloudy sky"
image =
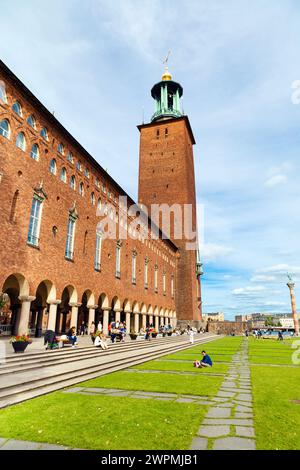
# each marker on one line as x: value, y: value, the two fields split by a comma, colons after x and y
x: 94, y: 63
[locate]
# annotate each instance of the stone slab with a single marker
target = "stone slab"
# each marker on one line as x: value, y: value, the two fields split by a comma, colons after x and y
x: 13, y: 444
x: 185, y: 400
x: 214, y: 431
x: 73, y: 390
x: 2, y: 441
x: 229, y: 421
x: 199, y: 443
x: 244, y: 431
x: 52, y: 447
x: 216, y: 412
x: 239, y: 415
x: 244, y: 397
x: 225, y: 394
x: 234, y: 443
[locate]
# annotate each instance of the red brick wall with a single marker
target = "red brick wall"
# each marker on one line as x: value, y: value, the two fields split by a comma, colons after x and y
x: 166, y: 175
x: 21, y: 173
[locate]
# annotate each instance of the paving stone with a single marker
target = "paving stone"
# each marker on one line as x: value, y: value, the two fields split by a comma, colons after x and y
x: 229, y: 385
x: 225, y: 405
x: 243, y: 415
x: 118, y: 394
x: 244, y: 397
x: 229, y: 421
x: 225, y: 394
x: 220, y: 399
x: 234, y: 443
x: 73, y: 390
x: 97, y: 390
x: 185, y: 400
x: 214, y: 431
x: 204, y: 403
x: 232, y: 390
x: 52, y: 447
x: 244, y: 431
x: 163, y: 398
x: 13, y: 444
x: 243, y: 409
x: 2, y: 440
x: 141, y: 396
x: 216, y: 412
x: 199, y: 443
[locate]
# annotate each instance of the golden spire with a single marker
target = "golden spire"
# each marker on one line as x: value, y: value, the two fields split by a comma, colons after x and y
x: 166, y: 75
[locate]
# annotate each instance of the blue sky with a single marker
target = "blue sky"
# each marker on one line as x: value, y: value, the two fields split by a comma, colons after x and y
x: 94, y: 63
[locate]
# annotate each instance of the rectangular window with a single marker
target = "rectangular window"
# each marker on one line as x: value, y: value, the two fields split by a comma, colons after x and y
x: 133, y: 269
x: 156, y: 279
x: 146, y: 275
x: 172, y: 287
x: 35, y: 221
x: 164, y: 284
x: 69, y: 254
x: 118, y: 261
x: 97, y: 263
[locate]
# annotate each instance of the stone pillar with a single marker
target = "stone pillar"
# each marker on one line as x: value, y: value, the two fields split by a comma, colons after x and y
x: 92, y: 309
x: 291, y: 286
x: 161, y: 321
x: 157, y: 323
x: 144, y: 320
x: 128, y: 321
x: 166, y: 321
x: 24, y: 314
x: 105, y: 320
x: 74, y: 315
x: 151, y: 319
x: 136, y: 322
x: 52, y: 314
x: 117, y: 315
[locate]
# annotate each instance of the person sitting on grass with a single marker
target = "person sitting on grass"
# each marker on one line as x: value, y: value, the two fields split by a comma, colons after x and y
x: 205, y: 361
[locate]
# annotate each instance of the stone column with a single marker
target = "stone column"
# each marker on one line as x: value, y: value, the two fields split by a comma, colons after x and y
x: 151, y: 319
x: 24, y: 314
x: 117, y: 315
x: 128, y: 321
x: 157, y: 323
x: 166, y: 321
x: 105, y: 320
x: 74, y: 315
x: 291, y: 286
x: 144, y: 321
x: 52, y: 314
x: 161, y: 321
x: 91, y: 319
x: 136, y: 322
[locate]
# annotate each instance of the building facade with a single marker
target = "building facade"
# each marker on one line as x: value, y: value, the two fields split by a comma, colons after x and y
x: 217, y: 316
x: 58, y: 266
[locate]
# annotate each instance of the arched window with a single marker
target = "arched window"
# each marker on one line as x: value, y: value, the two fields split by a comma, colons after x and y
x: 21, y: 141
x: 63, y: 175
x: 44, y: 133
x: 5, y: 128
x: 72, y: 182
x: 17, y: 108
x: 52, y: 167
x: 78, y: 166
x: 86, y: 173
x: 3, y: 97
x: 70, y: 157
x: 99, y: 204
x: 35, y: 152
x: 93, y: 199
x: 61, y: 149
x: 31, y: 121
x: 81, y: 189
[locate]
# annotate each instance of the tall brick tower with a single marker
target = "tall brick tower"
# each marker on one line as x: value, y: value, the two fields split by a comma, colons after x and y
x: 166, y: 176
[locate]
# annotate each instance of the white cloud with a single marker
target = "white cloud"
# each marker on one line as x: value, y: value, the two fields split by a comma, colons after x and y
x: 263, y: 278
x: 249, y: 291
x: 276, y: 180
x: 274, y: 303
x: 212, y: 251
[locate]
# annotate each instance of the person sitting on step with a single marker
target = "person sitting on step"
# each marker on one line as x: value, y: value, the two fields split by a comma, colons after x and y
x: 205, y: 361
x: 72, y: 336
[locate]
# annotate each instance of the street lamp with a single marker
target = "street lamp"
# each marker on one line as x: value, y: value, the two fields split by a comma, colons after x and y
x: 291, y: 286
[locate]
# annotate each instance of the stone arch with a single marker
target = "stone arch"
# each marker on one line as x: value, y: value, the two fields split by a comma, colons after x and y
x: 44, y: 295
x: 116, y: 303
x: 135, y: 307
x: 103, y: 301
x: 156, y: 311
x: 87, y: 300
x: 20, y: 280
x: 143, y: 309
x: 150, y: 310
x: 15, y: 285
x: 127, y: 305
x: 72, y: 291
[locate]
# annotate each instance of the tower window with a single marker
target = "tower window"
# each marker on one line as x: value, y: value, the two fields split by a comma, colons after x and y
x: 3, y: 97
x: 52, y: 167
x: 21, y: 142
x: 166, y: 132
x: 97, y: 260
x: 5, y: 128
x: 72, y: 182
x: 17, y: 108
x: 63, y: 175
x: 69, y: 253
x: 34, y: 152
x: 35, y: 221
x: 157, y: 133
x: 44, y: 133
x: 31, y: 121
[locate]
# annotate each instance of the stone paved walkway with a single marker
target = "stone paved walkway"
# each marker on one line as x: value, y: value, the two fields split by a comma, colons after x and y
x: 114, y: 392
x: 228, y: 424
x: 13, y: 444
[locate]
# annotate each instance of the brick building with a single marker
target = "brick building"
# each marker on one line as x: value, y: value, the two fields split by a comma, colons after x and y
x: 57, y: 267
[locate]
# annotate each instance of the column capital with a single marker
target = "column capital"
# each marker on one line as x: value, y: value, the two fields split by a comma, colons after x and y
x: 118, y: 310
x: 92, y: 306
x: 26, y: 298
x: 106, y: 309
x: 74, y: 304
x: 127, y: 311
x: 54, y: 302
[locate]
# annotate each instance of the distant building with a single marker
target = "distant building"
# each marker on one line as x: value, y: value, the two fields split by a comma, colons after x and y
x: 218, y: 316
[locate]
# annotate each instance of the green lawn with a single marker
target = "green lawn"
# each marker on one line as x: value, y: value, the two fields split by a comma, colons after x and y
x: 96, y: 422
x: 277, y: 417
x: 182, y: 367
x: 181, y: 384
x: 192, y: 357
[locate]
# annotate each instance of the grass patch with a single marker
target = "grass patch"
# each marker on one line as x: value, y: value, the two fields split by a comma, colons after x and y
x: 96, y: 422
x: 277, y: 418
x: 183, y: 384
x: 182, y: 367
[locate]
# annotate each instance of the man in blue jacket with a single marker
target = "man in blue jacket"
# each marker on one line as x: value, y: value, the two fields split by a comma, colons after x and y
x: 205, y: 362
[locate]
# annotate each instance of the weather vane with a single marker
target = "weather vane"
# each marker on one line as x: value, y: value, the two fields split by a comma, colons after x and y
x: 289, y: 277
x: 167, y: 58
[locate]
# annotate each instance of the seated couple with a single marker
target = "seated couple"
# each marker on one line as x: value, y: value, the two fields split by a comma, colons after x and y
x: 100, y: 341
x: 205, y: 361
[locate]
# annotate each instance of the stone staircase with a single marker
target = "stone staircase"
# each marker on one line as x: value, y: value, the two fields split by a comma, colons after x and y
x: 29, y: 375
